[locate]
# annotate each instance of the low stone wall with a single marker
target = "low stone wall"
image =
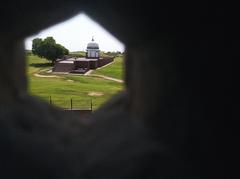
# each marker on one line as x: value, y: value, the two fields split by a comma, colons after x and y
x: 63, y: 67
x: 81, y: 64
x: 72, y: 67
x: 104, y: 61
x: 93, y: 64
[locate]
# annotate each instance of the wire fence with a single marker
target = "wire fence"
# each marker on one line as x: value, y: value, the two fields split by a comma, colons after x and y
x: 71, y: 103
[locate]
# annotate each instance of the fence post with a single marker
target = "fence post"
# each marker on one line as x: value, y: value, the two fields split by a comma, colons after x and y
x: 91, y: 104
x: 50, y: 100
x: 71, y: 104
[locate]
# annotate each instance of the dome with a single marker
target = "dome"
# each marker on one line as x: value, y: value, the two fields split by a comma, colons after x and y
x: 92, y: 45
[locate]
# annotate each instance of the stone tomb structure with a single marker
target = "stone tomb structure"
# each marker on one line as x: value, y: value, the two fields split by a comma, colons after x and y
x: 82, y: 65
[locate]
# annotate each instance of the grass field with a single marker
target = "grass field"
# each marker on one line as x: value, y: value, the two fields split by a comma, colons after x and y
x: 114, y: 70
x: 36, y: 64
x: 78, y: 54
x: 61, y: 88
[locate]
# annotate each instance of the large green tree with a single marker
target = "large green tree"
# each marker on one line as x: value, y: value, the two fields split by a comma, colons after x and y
x: 48, y: 48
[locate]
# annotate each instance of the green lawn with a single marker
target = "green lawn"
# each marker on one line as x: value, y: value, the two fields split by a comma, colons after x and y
x: 114, y: 70
x: 81, y: 89
x: 36, y: 64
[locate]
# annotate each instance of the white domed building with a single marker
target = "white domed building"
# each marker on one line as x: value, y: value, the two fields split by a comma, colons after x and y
x: 82, y: 65
x: 92, y: 50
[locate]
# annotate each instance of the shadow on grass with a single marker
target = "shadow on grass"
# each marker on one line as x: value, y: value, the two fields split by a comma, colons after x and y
x: 40, y: 65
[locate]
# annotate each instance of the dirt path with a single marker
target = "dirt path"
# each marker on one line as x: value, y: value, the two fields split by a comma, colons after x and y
x: 46, y: 76
x: 87, y: 74
x: 107, y: 78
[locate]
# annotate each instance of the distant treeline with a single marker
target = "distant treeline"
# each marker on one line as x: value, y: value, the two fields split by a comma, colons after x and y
x: 77, y: 54
x: 80, y: 54
x: 102, y: 54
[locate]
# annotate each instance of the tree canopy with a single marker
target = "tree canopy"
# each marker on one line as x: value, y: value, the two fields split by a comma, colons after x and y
x: 48, y: 48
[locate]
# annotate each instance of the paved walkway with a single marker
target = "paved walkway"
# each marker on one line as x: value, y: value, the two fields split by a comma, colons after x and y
x: 88, y: 72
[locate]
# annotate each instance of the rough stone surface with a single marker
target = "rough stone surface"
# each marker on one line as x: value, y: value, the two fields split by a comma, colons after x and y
x: 175, y: 120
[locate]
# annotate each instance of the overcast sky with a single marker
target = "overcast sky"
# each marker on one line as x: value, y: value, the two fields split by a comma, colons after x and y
x: 76, y: 32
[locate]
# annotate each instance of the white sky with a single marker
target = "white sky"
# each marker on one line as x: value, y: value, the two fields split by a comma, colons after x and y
x: 76, y: 32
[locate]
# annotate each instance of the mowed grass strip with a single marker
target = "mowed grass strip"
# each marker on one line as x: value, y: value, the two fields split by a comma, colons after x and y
x: 114, y: 70
x: 81, y: 89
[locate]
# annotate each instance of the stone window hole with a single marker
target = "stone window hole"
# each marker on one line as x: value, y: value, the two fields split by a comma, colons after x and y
x: 84, y: 79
